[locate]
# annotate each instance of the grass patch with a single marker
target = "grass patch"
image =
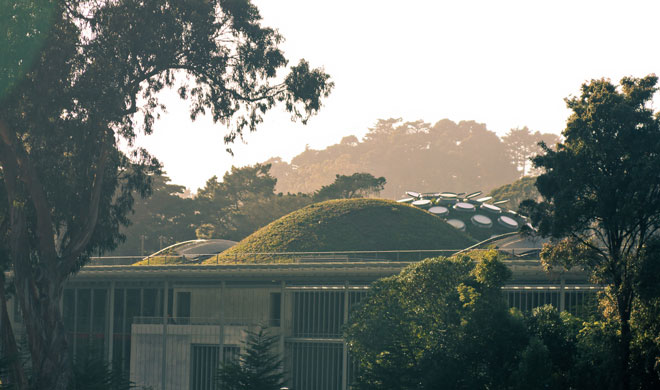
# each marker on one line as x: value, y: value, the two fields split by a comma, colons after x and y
x: 347, y: 225
x: 162, y: 260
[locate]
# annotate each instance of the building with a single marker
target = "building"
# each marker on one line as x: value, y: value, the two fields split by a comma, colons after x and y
x: 169, y: 327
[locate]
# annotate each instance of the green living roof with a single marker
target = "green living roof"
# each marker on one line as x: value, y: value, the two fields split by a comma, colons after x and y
x: 350, y: 225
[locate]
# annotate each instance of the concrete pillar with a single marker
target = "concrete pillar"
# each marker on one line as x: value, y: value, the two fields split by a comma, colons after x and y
x: 111, y: 322
x: 344, y: 366
x: 562, y: 295
x: 166, y: 302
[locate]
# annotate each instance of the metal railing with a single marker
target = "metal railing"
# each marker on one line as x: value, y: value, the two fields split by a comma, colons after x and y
x: 196, y: 321
x: 301, y: 257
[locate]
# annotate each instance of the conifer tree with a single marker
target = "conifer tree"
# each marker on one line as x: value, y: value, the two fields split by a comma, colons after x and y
x: 258, y: 368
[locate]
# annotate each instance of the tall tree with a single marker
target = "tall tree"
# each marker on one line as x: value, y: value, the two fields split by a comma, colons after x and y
x: 521, y: 145
x: 601, y: 191
x: 93, y: 78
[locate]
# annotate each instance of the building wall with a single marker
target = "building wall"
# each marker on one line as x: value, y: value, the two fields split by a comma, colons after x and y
x: 129, y: 319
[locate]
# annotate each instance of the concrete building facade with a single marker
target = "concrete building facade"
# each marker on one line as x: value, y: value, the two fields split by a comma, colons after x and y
x: 169, y: 327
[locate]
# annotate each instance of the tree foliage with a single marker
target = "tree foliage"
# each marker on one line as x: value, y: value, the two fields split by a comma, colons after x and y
x: 357, y: 185
x: 257, y: 368
x: 521, y: 145
x: 440, y: 323
x: 92, y: 76
x: 601, y: 191
x: 516, y: 192
x: 415, y: 155
x: 244, y: 201
x: 161, y: 219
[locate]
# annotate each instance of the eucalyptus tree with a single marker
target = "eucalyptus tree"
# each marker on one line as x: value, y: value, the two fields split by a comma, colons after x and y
x: 78, y: 77
x: 601, y: 191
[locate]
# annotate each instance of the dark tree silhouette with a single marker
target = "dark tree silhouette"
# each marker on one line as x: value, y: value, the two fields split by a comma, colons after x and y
x: 75, y: 77
x: 601, y: 192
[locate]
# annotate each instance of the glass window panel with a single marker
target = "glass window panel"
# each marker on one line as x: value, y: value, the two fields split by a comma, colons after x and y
x: 275, y: 306
x: 183, y: 304
x: 83, y: 310
x: 119, y: 311
x: 68, y: 309
x: 150, y: 304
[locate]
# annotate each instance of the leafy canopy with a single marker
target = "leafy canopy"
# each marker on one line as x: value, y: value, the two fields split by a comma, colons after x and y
x: 601, y: 193
x: 78, y: 76
x: 440, y: 323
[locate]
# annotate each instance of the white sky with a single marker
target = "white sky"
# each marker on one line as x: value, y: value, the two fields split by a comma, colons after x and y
x: 503, y: 63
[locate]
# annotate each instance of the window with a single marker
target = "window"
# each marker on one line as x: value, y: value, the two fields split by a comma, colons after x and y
x: 183, y: 305
x: 318, y: 313
x: 204, y: 363
x: 275, y: 306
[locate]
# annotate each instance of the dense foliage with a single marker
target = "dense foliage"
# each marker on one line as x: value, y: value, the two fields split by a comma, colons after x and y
x: 444, y: 323
x: 440, y: 323
x: 78, y: 76
x: 601, y: 195
x: 230, y: 209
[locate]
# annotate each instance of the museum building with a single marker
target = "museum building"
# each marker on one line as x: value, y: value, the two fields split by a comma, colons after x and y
x: 170, y: 327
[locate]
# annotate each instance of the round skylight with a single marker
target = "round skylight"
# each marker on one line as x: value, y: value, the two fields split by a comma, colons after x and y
x: 439, y: 210
x: 508, y: 222
x: 490, y: 208
x: 457, y: 223
x: 464, y: 206
x: 481, y: 221
x: 423, y: 203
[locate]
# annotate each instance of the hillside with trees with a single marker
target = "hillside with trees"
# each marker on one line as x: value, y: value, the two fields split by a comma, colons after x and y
x: 409, y: 156
x: 417, y: 156
x: 232, y: 208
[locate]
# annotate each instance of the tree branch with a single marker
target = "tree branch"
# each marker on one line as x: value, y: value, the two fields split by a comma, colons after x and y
x: 79, y: 242
x: 28, y: 174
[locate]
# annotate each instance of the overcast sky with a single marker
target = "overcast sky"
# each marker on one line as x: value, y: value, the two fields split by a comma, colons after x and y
x: 503, y: 63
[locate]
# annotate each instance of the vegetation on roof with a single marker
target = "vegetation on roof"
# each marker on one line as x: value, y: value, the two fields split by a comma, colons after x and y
x: 162, y: 260
x: 349, y: 225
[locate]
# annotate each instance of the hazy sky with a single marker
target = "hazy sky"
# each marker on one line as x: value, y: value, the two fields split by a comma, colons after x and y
x: 503, y: 63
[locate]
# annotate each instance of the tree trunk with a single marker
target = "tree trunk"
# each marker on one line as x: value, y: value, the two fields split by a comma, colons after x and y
x: 17, y: 372
x: 51, y: 367
x: 624, y: 308
x: 38, y: 291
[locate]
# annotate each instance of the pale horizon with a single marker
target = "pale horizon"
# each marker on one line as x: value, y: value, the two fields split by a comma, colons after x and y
x: 506, y: 64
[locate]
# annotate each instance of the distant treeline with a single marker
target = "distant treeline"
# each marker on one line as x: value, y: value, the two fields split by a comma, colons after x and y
x: 392, y: 158
x: 419, y: 156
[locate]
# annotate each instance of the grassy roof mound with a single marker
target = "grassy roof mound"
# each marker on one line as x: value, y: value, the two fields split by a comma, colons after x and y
x: 349, y: 225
